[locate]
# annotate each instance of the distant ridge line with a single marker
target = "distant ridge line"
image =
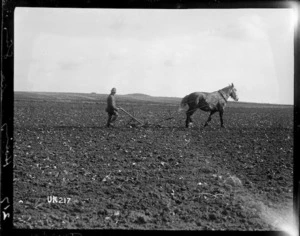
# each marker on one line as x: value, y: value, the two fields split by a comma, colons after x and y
x: 134, y: 96
x: 137, y: 94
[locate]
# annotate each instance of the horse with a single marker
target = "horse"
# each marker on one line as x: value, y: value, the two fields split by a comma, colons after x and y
x: 208, y: 102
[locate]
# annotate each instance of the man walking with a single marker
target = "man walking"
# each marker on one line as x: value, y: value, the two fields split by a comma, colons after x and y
x: 111, y: 108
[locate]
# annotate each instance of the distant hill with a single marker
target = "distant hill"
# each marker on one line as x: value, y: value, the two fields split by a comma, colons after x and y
x: 138, y: 95
x: 148, y: 98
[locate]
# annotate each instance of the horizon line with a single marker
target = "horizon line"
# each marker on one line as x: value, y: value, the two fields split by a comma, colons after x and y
x: 95, y: 93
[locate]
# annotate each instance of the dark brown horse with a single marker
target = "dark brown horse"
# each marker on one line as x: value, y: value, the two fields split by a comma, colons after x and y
x: 209, y: 102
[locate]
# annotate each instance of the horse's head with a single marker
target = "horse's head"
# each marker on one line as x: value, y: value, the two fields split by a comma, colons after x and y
x: 233, y: 93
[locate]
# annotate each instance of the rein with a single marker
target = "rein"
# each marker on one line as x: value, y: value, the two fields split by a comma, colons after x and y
x: 222, y: 96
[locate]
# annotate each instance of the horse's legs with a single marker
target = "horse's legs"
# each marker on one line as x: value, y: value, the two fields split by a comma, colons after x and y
x: 209, y: 118
x: 187, y: 120
x: 221, y: 119
x: 189, y: 113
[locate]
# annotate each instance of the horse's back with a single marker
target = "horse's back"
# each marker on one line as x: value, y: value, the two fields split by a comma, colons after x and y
x: 198, y: 95
x: 195, y: 97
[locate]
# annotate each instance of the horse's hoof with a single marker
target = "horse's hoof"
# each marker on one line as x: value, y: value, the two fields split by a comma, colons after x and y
x: 188, y: 125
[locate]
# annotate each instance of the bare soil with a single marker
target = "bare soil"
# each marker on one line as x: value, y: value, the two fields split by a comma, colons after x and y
x: 157, y: 176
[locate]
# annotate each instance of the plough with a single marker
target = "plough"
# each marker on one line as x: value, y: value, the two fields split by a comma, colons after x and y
x: 122, y: 109
x: 146, y: 124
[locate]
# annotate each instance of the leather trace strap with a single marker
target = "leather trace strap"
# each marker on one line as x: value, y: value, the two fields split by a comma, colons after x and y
x: 222, y: 96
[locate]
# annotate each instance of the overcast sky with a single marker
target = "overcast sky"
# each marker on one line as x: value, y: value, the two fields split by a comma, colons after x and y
x: 156, y: 52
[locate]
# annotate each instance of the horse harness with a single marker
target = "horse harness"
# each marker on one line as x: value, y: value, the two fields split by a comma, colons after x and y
x: 222, y: 96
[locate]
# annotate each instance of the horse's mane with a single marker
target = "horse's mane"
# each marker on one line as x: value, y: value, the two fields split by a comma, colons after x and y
x: 227, y: 89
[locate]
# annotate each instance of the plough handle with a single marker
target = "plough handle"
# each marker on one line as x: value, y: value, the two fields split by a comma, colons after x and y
x: 130, y: 115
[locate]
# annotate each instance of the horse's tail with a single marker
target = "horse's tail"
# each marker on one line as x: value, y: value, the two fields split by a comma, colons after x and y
x: 183, y: 103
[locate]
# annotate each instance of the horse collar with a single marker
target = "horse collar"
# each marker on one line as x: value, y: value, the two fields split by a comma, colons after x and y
x: 222, y: 95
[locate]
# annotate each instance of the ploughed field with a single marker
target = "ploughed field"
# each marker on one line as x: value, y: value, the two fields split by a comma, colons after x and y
x: 156, y: 176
